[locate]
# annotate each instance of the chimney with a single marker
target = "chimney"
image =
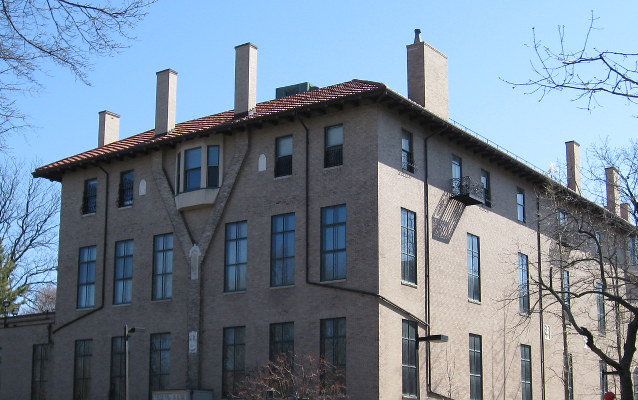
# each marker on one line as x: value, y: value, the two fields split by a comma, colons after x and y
x: 245, y: 79
x: 613, y: 193
x: 624, y: 211
x: 427, y: 77
x: 573, y: 165
x: 108, y: 128
x: 165, y: 101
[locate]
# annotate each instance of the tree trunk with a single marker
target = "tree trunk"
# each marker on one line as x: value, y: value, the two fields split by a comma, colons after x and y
x: 626, y: 387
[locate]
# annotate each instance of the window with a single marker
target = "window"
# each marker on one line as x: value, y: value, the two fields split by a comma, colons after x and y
x: 635, y: 381
x: 89, y: 200
x: 562, y: 218
x: 600, y: 302
x: 86, y: 277
x: 526, y: 372
x: 233, y: 360
x: 333, y: 349
x: 82, y: 369
x: 178, y: 188
x: 282, y: 250
x: 409, y: 362
x: 282, y: 340
x: 236, y: 253
x: 604, y: 386
x: 163, y: 266
x: 123, y: 279
x: 40, y: 371
x: 283, y: 159
x: 212, y: 174
x: 476, y: 368
x: 520, y: 204
x: 523, y: 283
x: 570, y: 377
x: 456, y: 175
x: 125, y: 194
x: 632, y: 250
x: 565, y: 288
x: 408, y: 246
x: 407, y: 156
x: 473, y: 268
x: 333, y: 155
x: 117, y: 387
x: 192, y: 169
x: 333, y: 243
x: 487, y: 188
x: 160, y: 369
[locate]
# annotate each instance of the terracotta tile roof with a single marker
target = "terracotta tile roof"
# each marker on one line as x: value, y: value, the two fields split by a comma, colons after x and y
x: 221, y: 121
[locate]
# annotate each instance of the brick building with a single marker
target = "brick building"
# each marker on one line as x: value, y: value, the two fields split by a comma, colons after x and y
x: 344, y: 221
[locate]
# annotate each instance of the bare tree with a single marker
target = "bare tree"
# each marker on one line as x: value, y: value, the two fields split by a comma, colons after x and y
x: 34, y: 33
x: 583, y: 70
x: 44, y: 298
x: 589, y: 272
x: 28, y: 230
x: 295, y: 377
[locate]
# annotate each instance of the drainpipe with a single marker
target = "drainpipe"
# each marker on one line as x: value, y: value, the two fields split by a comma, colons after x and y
x: 540, y: 294
x: 104, y: 243
x: 381, y: 298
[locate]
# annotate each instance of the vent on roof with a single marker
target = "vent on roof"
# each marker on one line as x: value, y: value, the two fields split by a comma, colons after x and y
x: 286, y: 91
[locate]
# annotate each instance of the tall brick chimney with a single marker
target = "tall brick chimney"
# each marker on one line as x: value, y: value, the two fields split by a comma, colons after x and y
x: 108, y: 128
x: 573, y: 165
x: 165, y: 101
x: 613, y: 192
x: 427, y: 77
x: 245, y: 79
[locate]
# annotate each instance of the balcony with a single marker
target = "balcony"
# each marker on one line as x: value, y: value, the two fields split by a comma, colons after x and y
x: 466, y: 191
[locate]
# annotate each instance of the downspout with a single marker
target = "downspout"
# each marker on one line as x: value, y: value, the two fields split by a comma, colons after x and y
x: 104, y: 243
x: 307, y: 231
x: 540, y: 294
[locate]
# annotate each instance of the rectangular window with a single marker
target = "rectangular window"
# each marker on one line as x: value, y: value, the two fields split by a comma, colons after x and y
x: 123, y: 279
x: 178, y: 188
x: 523, y: 283
x: 333, y: 349
x: 125, y: 193
x: 456, y: 175
x: 236, y: 255
x: 117, y: 387
x: 570, y: 377
x: 86, y: 277
x: 282, y: 250
x: 487, y: 188
x: 333, y: 243
x: 40, y: 371
x: 632, y: 251
x: 526, y: 372
x: 212, y: 173
x: 82, y: 369
x: 282, y: 340
x: 600, y: 302
x: 407, y: 155
x: 409, y: 355
x: 562, y: 218
x: 565, y: 288
x: 604, y: 385
x: 89, y: 200
x: 160, y: 363
x: 283, y: 157
x: 476, y: 368
x: 520, y: 204
x: 333, y: 155
x: 192, y: 169
x: 234, y: 357
x: 163, y: 266
x: 473, y: 268
x: 408, y: 246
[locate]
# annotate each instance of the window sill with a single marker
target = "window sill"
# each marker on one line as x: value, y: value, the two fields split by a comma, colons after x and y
x: 283, y: 286
x: 333, y: 281
x: 125, y: 207
x: 88, y: 214
x: 332, y: 167
x: 121, y: 305
x: 235, y: 292
x: 161, y: 300
x: 84, y: 308
x: 478, y: 302
x: 410, y: 284
x: 282, y: 177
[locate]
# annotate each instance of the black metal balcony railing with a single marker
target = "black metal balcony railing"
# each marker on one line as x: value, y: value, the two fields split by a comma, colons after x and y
x: 407, y: 161
x: 283, y: 166
x: 467, y: 191
x: 333, y: 156
x: 125, y: 197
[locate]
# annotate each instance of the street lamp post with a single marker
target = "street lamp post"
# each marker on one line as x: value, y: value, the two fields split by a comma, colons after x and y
x: 432, y: 339
x: 127, y: 335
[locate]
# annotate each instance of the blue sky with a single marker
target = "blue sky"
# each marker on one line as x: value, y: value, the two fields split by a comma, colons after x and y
x: 329, y: 42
